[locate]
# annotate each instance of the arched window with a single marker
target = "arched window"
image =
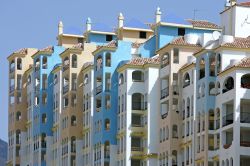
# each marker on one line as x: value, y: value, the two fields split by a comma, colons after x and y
x: 99, y: 63
x: 19, y: 64
x: 65, y: 63
x: 18, y: 136
x: 212, y: 65
x: 186, y: 80
x: 29, y: 79
x: 86, y: 79
x: 164, y: 60
x: 137, y: 76
x: 227, y: 162
x: 107, y: 124
x: 188, y: 107
x: 12, y: 66
x: 74, y: 61
x: 161, y: 135
x: 167, y: 133
x: 37, y: 64
x: 231, y: 161
x: 217, y: 118
x: 245, y: 81
x: 175, y: 131
x: 228, y: 84
x: 108, y: 59
x: 212, y: 90
x: 18, y: 116
x: 121, y: 79
x: 73, y: 144
x: 43, y: 140
x: 106, y: 150
x: 164, y: 133
x: 203, y: 89
x: 218, y: 63
x: 211, y: 119
x: 55, y: 79
x: 174, y: 158
x: 44, y: 118
x: 183, y: 109
x: 137, y: 101
x: 73, y: 120
x: 223, y: 163
x: 45, y: 65
x: 218, y: 88
x: 202, y: 69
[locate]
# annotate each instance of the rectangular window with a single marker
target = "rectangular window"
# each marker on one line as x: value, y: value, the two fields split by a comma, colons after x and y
x: 181, y: 31
x: 80, y: 40
x: 143, y: 35
x: 176, y: 55
x: 109, y: 37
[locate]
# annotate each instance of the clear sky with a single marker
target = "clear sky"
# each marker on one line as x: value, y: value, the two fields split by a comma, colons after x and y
x: 33, y: 23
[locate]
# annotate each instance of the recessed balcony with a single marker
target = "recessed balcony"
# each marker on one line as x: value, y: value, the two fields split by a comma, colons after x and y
x: 164, y: 92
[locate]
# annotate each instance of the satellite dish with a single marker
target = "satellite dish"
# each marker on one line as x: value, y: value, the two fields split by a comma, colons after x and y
x: 216, y: 35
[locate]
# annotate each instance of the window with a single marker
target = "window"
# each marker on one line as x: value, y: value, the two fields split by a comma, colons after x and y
x: 164, y: 60
x: 18, y: 116
x: 175, y: 131
x: 143, y: 35
x: 228, y: 84
x: 80, y: 40
x: 74, y: 81
x: 186, y: 81
x: 19, y: 64
x: 107, y: 81
x: 137, y: 76
x: 44, y: 65
x: 44, y: 118
x: 36, y: 100
x: 202, y: 69
x: 138, y: 101
x: 245, y: 81
x: 212, y: 90
x: 65, y: 63
x: 176, y: 55
x: 108, y: 59
x: 109, y: 37
x: 44, y: 99
x: 74, y: 61
x: 181, y: 31
x: 73, y: 120
x: 107, y: 124
x: 121, y: 79
x: 65, y: 102
x: 86, y: 79
x: 55, y: 79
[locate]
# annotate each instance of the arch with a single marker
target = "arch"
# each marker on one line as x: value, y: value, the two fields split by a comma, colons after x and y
x: 18, y: 136
x: 202, y: 68
x: 107, y: 149
x: 212, y: 65
x: 73, y: 120
x: 211, y: 119
x: 98, y: 62
x: 228, y: 84
x: 245, y: 81
x: 174, y: 159
x: 183, y: 109
x: 86, y: 79
x: 55, y: 79
x: 186, y: 80
x: 19, y: 64
x: 164, y: 133
x: 18, y: 115
x: 44, y: 64
x: 231, y: 161
x: 74, y: 61
x: 137, y: 76
x: 107, y: 124
x: 73, y: 144
x: 165, y: 60
x: 37, y: 64
x: 218, y: 63
x: 137, y: 101
x: 227, y: 162
x: 223, y: 163
x: 108, y: 59
x: 212, y: 90
x: 217, y: 88
x: 203, y: 89
x: 188, y: 107
x: 121, y: 79
x: 167, y: 133
x: 175, y: 131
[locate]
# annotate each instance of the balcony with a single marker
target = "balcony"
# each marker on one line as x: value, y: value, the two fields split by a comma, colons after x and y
x: 228, y: 119
x: 163, y: 116
x: 98, y: 89
x: 164, y: 93
x: 12, y: 88
x: 65, y: 67
x: 65, y: 89
x: 137, y: 149
x: 245, y: 117
x: 139, y: 106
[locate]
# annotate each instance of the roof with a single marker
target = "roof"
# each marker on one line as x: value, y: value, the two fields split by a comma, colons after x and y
x: 78, y: 46
x: 47, y: 49
x: 111, y: 44
x: 203, y: 24
x: 87, y: 64
x: 245, y: 4
x: 180, y: 41
x: 187, y: 65
x: 143, y: 61
x: 22, y: 51
x: 238, y: 43
x: 136, y: 45
x: 244, y: 63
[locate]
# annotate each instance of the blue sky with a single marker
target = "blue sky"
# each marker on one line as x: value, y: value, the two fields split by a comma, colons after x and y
x: 30, y: 23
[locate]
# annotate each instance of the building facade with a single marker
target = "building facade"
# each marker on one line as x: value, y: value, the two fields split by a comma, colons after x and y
x: 175, y: 92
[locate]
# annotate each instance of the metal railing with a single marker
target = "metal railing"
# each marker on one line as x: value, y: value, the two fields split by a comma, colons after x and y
x: 228, y: 119
x: 98, y: 89
x: 244, y: 117
x: 139, y: 105
x: 65, y: 89
x: 164, y: 93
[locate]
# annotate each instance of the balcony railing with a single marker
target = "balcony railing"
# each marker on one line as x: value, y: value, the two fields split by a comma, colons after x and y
x: 139, y: 106
x: 138, y: 149
x: 139, y: 124
x: 12, y: 69
x: 12, y: 88
x: 163, y: 116
x: 65, y: 89
x: 245, y: 117
x: 245, y: 143
x: 98, y: 89
x: 164, y: 93
x: 228, y: 119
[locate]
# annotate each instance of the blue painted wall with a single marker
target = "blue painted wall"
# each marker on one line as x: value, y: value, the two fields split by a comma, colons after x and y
x: 98, y: 39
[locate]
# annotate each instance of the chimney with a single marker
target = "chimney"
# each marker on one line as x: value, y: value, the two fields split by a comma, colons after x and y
x: 60, y: 28
x: 88, y: 24
x: 120, y: 20
x: 158, y: 15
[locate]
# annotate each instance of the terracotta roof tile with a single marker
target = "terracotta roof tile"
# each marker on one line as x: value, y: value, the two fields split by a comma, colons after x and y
x: 238, y: 43
x: 186, y: 65
x: 181, y: 42
x: 87, y: 64
x: 47, y: 49
x: 22, y: 51
x: 112, y: 44
x: 246, y: 4
x: 245, y: 62
x: 136, y: 45
x: 203, y: 24
x: 78, y: 46
x: 144, y: 61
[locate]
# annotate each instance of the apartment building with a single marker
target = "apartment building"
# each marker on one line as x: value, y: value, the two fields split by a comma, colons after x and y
x: 174, y: 92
